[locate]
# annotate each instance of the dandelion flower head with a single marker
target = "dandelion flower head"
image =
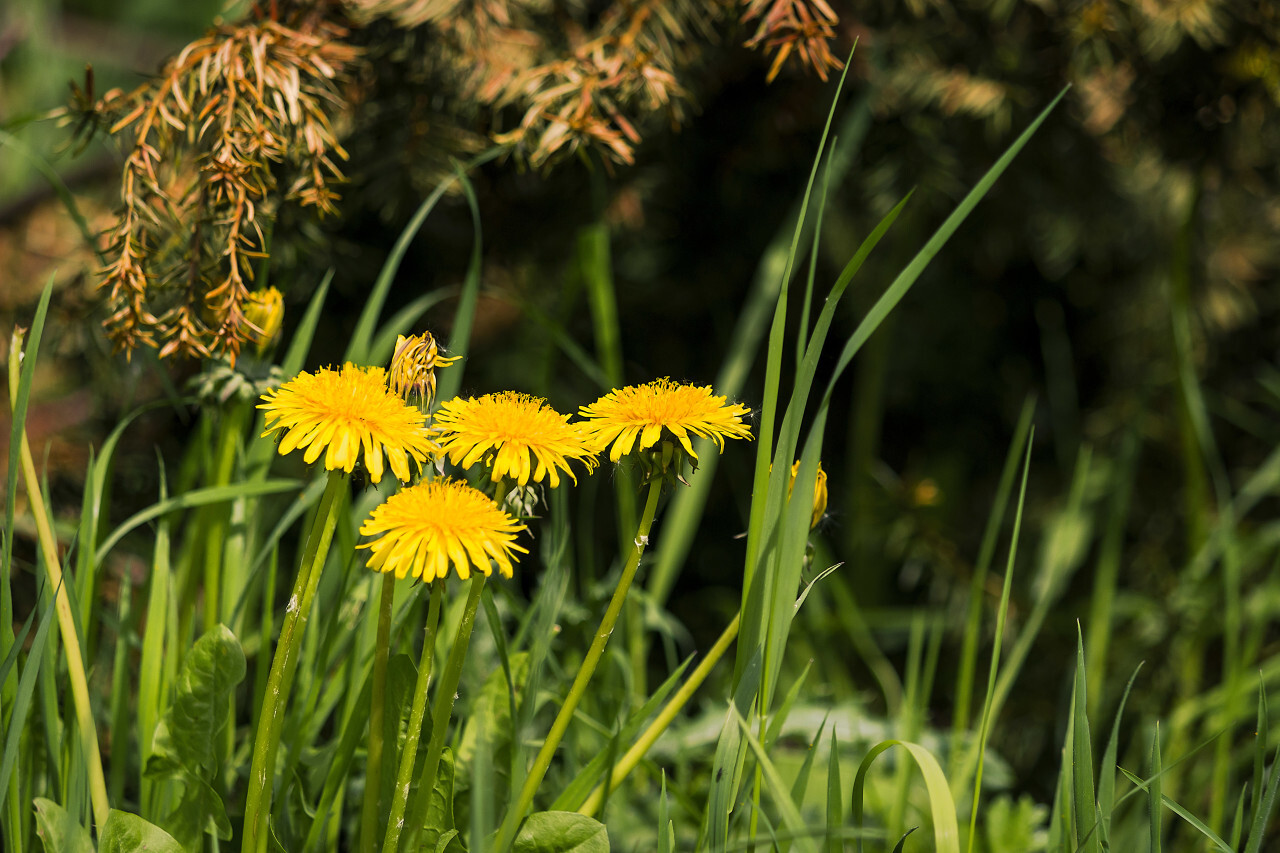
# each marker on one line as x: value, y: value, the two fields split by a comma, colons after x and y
x: 520, y: 436
x: 342, y: 412
x: 427, y: 528
x: 639, y: 416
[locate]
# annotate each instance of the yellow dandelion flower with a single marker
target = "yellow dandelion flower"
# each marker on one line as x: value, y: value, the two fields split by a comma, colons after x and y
x: 340, y: 412
x: 819, y: 493
x: 519, y: 436
x: 641, y: 415
x: 428, y: 527
x: 413, y: 366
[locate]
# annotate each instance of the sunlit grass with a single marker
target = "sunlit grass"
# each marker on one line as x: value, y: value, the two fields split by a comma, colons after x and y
x: 543, y: 734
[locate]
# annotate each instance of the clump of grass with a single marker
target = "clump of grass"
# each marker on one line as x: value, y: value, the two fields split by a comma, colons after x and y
x: 302, y: 722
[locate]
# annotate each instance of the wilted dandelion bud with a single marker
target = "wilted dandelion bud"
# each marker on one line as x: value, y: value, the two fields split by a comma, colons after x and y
x: 264, y: 309
x: 819, y: 493
x: 413, y: 366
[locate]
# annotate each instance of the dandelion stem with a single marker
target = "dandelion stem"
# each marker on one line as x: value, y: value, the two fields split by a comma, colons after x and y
x: 510, y: 823
x: 271, y: 718
x: 66, y: 622
x: 373, y: 772
x: 417, y: 711
x: 445, y: 694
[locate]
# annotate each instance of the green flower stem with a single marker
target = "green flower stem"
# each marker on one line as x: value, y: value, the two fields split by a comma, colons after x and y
x: 668, y: 713
x: 217, y: 516
x: 373, y: 773
x: 443, y: 707
x: 66, y: 623
x: 257, y: 809
x: 417, y: 711
x: 511, y: 823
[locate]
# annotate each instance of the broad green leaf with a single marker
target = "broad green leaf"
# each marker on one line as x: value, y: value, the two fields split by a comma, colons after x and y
x: 440, y: 828
x: 192, y: 723
x: 128, y: 833
x: 201, y: 810
x: 59, y: 831
x: 561, y: 832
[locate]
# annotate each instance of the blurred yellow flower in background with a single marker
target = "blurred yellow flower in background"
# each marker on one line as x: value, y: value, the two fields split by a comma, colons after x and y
x: 264, y: 309
x: 340, y: 413
x: 639, y: 416
x: 429, y: 527
x: 519, y: 436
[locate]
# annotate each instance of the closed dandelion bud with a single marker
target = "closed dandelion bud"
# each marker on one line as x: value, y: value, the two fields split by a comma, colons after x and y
x: 413, y: 366
x: 264, y: 310
x: 819, y: 493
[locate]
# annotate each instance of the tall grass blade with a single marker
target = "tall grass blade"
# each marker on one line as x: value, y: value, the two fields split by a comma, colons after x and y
x: 17, y: 718
x: 1262, y: 737
x: 682, y: 519
x: 464, y: 316
x: 835, y: 799
x: 1266, y: 805
x: 1107, y: 769
x: 986, y: 552
x: 988, y: 710
x: 777, y: 789
x: 1085, y: 806
x: 187, y: 500
x: 358, y: 349
x: 1193, y: 821
x: 726, y: 766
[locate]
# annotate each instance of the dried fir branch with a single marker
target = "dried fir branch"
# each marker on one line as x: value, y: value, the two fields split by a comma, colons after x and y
x: 210, y: 135
x: 800, y: 28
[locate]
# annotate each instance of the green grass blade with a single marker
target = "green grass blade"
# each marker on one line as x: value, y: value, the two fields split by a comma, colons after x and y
x: 988, y: 707
x: 977, y: 584
x: 1107, y: 769
x: 835, y: 799
x: 1266, y: 805
x: 463, y: 319
x: 942, y: 807
x: 362, y: 336
x: 26, y: 691
x: 684, y: 516
x: 800, y: 784
x: 384, y: 345
x: 1186, y: 815
x: 305, y: 333
x: 152, y: 690
x: 1107, y: 572
x: 1085, y: 802
x: 779, y: 718
x: 666, y: 829
x: 761, y: 510
x: 1153, y: 802
x: 730, y: 756
x: 777, y: 789
x: 198, y: 497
